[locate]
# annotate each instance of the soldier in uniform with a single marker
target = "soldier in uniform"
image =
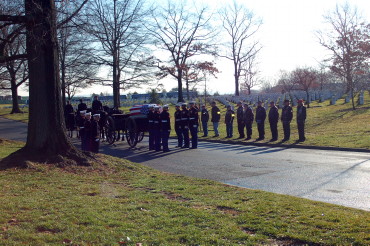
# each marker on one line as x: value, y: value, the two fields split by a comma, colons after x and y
x: 185, y: 125
x: 301, y: 118
x: 260, y: 119
x: 87, y: 132
x: 229, y: 118
x: 273, y: 120
x: 193, y: 124
x: 178, y: 128
x: 151, y: 127
x: 248, y: 120
x: 96, y: 105
x: 286, y: 118
x: 204, y: 118
x: 81, y: 106
x: 157, y: 129
x: 216, y: 116
x: 80, y: 128
x: 165, y: 127
x: 95, y: 134
x: 240, y: 120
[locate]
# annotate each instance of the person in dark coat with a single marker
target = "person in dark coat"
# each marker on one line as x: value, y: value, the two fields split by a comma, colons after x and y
x: 157, y: 129
x: 260, y: 120
x: 69, y: 116
x: 229, y: 119
x: 151, y: 127
x: 248, y: 120
x: 240, y: 119
x: 301, y: 118
x: 95, y: 134
x: 286, y: 118
x: 216, y: 116
x: 80, y: 127
x: 204, y: 118
x: 273, y: 120
x: 185, y: 125
x: 87, y: 132
x: 81, y: 106
x: 96, y: 105
x: 178, y: 125
x: 165, y: 128
x: 193, y: 124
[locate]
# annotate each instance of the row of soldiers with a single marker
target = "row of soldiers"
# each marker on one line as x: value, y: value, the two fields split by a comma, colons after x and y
x: 245, y: 118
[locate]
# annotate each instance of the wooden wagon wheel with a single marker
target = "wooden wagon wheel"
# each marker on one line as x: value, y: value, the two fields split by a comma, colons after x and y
x: 140, y: 137
x: 131, y: 132
x: 110, y: 131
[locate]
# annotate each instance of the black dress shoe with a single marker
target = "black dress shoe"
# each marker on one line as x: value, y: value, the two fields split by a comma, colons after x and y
x: 248, y: 138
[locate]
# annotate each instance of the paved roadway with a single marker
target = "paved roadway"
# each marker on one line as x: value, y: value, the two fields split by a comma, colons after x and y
x: 336, y: 177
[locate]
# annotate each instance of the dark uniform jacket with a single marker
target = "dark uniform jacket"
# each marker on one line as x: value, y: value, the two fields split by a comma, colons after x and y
x: 95, y: 130
x: 87, y: 128
x: 301, y: 113
x: 80, y: 121
x: 165, y: 121
x: 273, y: 115
x: 150, y: 120
x: 193, y: 116
x: 184, y: 118
x: 82, y: 107
x: 287, y: 113
x: 229, y: 116
x: 240, y: 114
x: 68, y: 109
x: 156, y: 120
x: 216, y: 114
x: 248, y: 115
x: 96, y: 105
x: 204, y: 115
x: 260, y: 114
x: 177, y: 119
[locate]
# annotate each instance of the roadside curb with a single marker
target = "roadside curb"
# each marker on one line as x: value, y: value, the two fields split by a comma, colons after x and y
x: 290, y: 146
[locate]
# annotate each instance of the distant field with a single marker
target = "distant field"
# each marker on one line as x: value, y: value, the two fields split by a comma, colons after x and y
x: 117, y: 202
x: 327, y: 125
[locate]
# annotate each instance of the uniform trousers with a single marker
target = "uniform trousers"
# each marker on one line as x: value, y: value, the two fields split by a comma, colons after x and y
x: 205, y: 128
x: 286, y: 127
x: 215, y: 127
x: 180, y: 139
x: 151, y: 139
x: 165, y: 134
x: 300, y: 125
x: 241, y: 126
x: 261, y: 129
x: 248, y: 125
x: 194, y: 136
x: 274, y: 130
x: 157, y: 139
x: 185, y: 136
x: 229, y: 130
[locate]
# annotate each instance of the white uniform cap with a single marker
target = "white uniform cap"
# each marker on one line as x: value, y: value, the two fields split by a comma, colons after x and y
x: 96, y: 115
x: 183, y: 104
x: 83, y: 112
x: 165, y: 106
x: 88, y: 114
x: 191, y: 102
x: 156, y: 107
x: 151, y: 106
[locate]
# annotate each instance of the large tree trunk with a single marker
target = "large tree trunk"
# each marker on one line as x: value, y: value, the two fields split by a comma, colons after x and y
x: 179, y: 84
x: 63, y: 81
x: 116, y: 86
x: 236, y: 77
x: 15, y: 108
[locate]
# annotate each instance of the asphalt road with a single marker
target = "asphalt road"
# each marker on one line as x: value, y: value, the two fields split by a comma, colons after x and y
x: 337, y: 177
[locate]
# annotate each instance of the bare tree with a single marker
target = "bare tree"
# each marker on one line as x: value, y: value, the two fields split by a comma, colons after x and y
x: 181, y: 33
x: 285, y: 82
x: 117, y: 26
x: 249, y: 74
x: 46, y: 139
x: 305, y: 79
x: 349, y: 44
x: 241, y: 25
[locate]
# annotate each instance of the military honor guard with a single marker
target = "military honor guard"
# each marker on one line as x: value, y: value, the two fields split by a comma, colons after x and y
x: 216, y: 116
x: 204, y: 118
x: 151, y: 127
x: 301, y: 119
x: 248, y: 120
x: 157, y: 129
x: 240, y: 119
x: 286, y: 118
x: 260, y: 120
x: 95, y: 134
x: 185, y: 125
x: 80, y: 128
x: 178, y: 126
x: 229, y: 119
x: 165, y: 128
x: 273, y: 120
x: 87, y: 132
x: 193, y: 124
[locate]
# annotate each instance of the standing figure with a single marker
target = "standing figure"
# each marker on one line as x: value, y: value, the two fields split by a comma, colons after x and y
x: 229, y: 118
x: 185, y: 125
x: 248, y: 120
x: 81, y: 106
x: 273, y: 120
x: 151, y: 127
x: 301, y: 118
x: 216, y: 116
x: 95, y: 133
x: 240, y: 120
x: 204, y: 118
x: 69, y: 116
x: 96, y: 105
x: 193, y: 124
x: 87, y: 132
x: 80, y: 128
x: 178, y: 128
x: 165, y: 127
x: 286, y: 118
x: 260, y: 119
x: 157, y: 129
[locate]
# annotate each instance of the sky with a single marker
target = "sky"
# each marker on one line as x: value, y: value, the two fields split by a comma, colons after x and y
x: 287, y: 36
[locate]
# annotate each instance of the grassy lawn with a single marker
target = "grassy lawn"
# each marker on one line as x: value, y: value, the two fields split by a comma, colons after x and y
x: 116, y: 199
x: 5, y: 112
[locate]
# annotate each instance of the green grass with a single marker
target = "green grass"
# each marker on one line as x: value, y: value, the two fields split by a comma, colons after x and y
x: 5, y: 112
x: 105, y: 204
